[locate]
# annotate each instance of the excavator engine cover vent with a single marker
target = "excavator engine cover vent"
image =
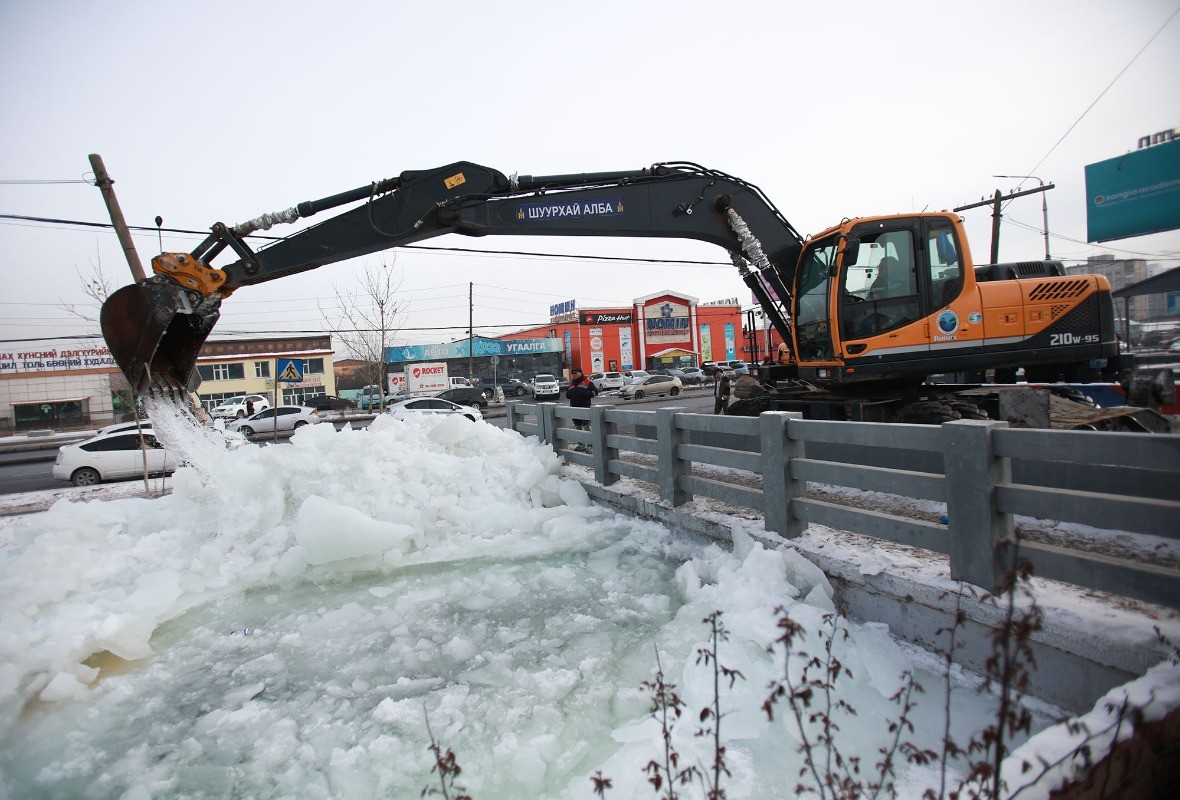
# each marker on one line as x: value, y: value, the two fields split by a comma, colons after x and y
x: 1059, y: 290
x: 1080, y: 318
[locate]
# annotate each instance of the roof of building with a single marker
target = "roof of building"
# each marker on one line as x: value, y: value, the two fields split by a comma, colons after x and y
x: 1157, y: 284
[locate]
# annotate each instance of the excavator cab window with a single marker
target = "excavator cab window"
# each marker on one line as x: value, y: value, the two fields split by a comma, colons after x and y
x: 946, y: 269
x: 879, y: 289
x: 812, y: 330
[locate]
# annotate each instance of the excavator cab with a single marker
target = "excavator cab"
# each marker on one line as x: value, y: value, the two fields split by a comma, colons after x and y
x: 867, y: 292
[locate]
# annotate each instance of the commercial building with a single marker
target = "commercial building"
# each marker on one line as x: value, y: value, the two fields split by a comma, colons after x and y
x: 230, y: 368
x: 59, y: 387
x: 664, y: 329
x: 1148, y: 312
x: 481, y: 357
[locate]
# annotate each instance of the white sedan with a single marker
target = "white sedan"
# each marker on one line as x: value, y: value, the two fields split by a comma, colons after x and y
x: 281, y: 419
x: 111, y: 456
x: 431, y: 405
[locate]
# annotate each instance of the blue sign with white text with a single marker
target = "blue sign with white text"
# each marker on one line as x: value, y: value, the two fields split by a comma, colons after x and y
x: 1134, y: 194
x: 482, y: 347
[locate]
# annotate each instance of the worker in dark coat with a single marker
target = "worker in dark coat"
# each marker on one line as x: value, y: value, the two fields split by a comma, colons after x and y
x: 721, y: 393
x: 580, y: 392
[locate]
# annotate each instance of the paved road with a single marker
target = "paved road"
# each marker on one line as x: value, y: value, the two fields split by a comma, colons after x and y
x: 32, y: 471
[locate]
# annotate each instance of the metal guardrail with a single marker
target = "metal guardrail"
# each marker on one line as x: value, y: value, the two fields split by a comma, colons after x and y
x: 976, y: 482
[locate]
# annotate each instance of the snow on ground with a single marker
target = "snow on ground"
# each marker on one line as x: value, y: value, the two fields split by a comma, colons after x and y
x: 285, y: 620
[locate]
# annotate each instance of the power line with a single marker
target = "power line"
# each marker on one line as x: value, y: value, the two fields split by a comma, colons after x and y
x: 1103, y: 92
x: 453, y: 250
x: 45, y: 182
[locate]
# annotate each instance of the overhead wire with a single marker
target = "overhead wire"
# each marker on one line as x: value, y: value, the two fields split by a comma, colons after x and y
x: 1101, y: 94
x: 428, y: 248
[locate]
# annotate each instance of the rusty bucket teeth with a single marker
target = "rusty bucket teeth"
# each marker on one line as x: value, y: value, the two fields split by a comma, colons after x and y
x: 155, y: 330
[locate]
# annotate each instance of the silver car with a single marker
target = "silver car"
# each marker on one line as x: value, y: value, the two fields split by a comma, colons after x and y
x: 658, y: 385
x: 608, y: 381
x: 546, y: 386
x: 280, y: 419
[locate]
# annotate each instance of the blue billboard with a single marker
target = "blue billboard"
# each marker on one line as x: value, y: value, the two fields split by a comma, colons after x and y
x: 1134, y: 194
x: 481, y: 346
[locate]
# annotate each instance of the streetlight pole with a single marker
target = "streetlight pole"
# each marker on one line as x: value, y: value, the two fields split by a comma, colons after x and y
x: 1044, y: 204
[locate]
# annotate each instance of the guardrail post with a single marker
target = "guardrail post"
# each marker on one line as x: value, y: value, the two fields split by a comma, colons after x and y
x: 668, y: 439
x: 601, y: 455
x: 547, y: 423
x: 778, y: 489
x: 510, y: 417
x: 976, y: 527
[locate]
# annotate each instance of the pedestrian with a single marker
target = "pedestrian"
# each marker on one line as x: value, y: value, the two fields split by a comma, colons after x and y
x: 721, y: 393
x: 249, y: 408
x: 580, y: 392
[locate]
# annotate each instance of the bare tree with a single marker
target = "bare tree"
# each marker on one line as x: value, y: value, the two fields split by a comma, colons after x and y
x: 367, y: 319
x: 96, y: 285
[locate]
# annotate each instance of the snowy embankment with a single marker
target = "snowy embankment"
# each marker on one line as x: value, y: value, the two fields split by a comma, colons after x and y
x: 285, y: 620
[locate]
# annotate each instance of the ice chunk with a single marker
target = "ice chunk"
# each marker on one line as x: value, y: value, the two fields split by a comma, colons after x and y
x: 328, y: 531
x: 882, y: 658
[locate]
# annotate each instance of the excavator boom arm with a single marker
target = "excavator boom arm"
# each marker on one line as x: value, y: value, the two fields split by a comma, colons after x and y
x: 155, y: 328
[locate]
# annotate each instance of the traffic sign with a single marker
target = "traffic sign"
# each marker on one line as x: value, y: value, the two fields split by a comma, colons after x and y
x: 290, y: 370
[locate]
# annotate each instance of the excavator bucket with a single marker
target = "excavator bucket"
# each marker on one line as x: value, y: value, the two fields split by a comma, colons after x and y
x: 155, y: 332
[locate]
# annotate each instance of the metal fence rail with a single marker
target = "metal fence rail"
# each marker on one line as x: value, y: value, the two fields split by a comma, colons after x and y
x: 975, y: 482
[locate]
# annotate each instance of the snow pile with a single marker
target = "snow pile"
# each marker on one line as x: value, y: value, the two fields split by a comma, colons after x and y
x: 283, y: 622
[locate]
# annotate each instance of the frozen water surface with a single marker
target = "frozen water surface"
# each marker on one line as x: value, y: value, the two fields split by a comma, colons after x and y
x: 283, y: 622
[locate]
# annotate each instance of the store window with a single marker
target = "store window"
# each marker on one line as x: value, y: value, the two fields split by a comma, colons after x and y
x: 52, y: 414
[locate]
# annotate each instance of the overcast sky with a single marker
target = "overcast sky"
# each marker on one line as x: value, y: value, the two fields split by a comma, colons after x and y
x: 219, y: 111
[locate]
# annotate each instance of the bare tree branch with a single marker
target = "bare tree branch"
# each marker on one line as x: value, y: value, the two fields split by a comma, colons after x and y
x: 367, y: 319
x: 96, y: 285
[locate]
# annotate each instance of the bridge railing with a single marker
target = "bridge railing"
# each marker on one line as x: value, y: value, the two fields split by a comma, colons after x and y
x: 765, y: 464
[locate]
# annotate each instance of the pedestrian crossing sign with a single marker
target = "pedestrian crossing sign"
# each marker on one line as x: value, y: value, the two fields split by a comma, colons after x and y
x: 290, y: 370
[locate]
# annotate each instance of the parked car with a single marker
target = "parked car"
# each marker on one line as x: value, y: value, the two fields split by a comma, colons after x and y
x: 124, y: 427
x: 633, y: 375
x: 465, y: 396
x: 279, y: 419
x: 511, y: 386
x: 110, y: 457
x: 236, y: 407
x: 546, y: 387
x: 327, y: 402
x: 431, y: 405
x: 658, y: 385
x: 691, y: 376
x: 608, y: 381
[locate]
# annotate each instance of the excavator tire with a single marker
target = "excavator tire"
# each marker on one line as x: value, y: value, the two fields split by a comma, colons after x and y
x: 752, y: 406
x: 966, y: 409
x: 926, y: 412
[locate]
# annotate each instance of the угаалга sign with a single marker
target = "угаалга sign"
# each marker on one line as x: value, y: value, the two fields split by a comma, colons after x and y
x: 54, y: 359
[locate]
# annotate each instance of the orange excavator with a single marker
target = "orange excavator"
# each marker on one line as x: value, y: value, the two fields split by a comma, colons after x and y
x: 872, y: 307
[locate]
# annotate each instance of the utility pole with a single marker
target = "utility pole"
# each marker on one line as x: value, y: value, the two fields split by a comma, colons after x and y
x: 470, y: 329
x: 103, y: 181
x: 997, y: 215
x: 1044, y: 204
